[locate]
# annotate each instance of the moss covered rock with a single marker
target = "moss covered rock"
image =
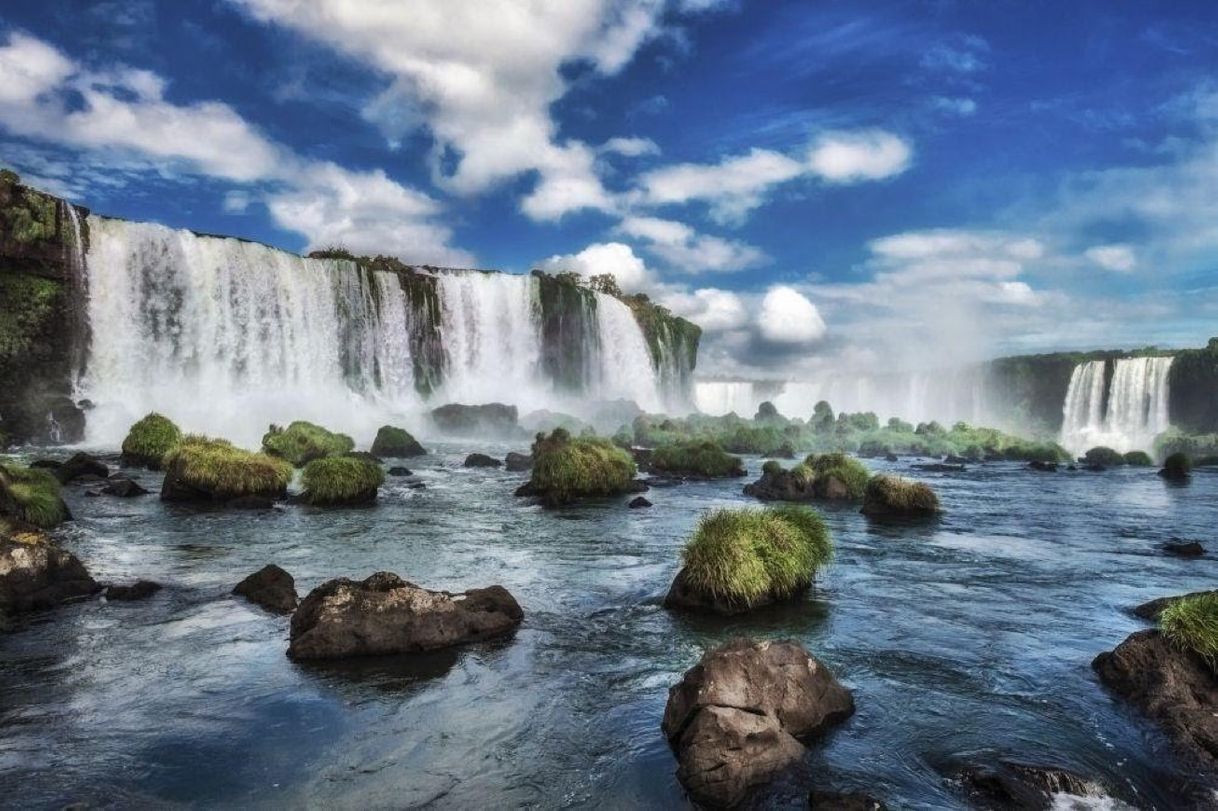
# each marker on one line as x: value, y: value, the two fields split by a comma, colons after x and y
x: 566, y: 469
x: 740, y: 559
x: 701, y: 459
x: 829, y: 476
x: 202, y: 469
x: 1138, y: 459
x: 396, y: 443
x: 149, y: 440
x: 341, y: 481
x: 31, y: 496
x: 1177, y: 467
x: 302, y: 442
x: 1101, y: 457
x: 893, y: 496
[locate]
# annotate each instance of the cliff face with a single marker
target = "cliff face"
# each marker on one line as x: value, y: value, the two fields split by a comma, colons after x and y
x: 43, y: 328
x: 1193, y: 383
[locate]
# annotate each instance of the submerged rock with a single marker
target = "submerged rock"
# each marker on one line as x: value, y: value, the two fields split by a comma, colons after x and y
x: 124, y: 488
x: 1172, y: 686
x: 384, y: 614
x: 139, y: 590
x: 518, y: 462
x: 490, y: 419
x: 735, y: 718
x: 1183, y: 549
x: 35, y: 573
x: 843, y: 801
x: 1151, y: 610
x: 1044, y: 467
x: 482, y: 460
x: 80, y: 466
x: 638, y: 502
x: 400, y: 471
x: 1012, y: 785
x: 270, y: 587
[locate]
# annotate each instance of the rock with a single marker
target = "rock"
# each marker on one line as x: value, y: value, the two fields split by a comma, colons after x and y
x: 517, y: 462
x: 364, y: 456
x: 417, y: 486
x: 1044, y: 467
x: 123, y: 488
x: 888, y: 457
x: 1018, y: 786
x: 957, y: 461
x: 1152, y: 609
x: 481, y: 460
x: 80, y: 466
x: 735, y: 719
x: 942, y: 467
x: 250, y: 503
x: 638, y: 502
x: 139, y: 590
x: 1183, y: 549
x: 777, y: 484
x: 387, y: 615
x: 270, y: 587
x: 843, y: 801
x: 491, y: 419
x: 399, y: 471
x: 46, y: 464
x: 396, y: 443
x: 1172, y: 686
x: 34, y: 573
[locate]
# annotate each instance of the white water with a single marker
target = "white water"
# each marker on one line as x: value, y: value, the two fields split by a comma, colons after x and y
x: 1135, y: 412
x: 625, y: 369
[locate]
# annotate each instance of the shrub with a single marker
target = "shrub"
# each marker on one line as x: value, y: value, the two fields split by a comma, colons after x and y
x: 567, y: 468
x: 149, y: 440
x: 224, y: 471
x: 1191, y: 623
x: 846, y: 469
x: 341, y: 480
x: 1104, y: 457
x: 1177, y: 466
x: 748, y: 556
x: 396, y: 442
x: 893, y: 495
x: 302, y: 442
x: 1138, y: 459
x: 703, y: 458
x: 31, y: 495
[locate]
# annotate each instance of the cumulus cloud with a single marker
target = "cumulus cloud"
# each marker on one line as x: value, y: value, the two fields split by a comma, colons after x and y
x: 853, y: 157
x: 963, y: 106
x: 787, y: 317
x: 1118, y: 258
x: 688, y: 251
x: 600, y: 258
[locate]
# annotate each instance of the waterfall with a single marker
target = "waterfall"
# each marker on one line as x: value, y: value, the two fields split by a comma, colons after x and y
x: 78, y: 287
x: 1126, y: 413
x: 625, y: 365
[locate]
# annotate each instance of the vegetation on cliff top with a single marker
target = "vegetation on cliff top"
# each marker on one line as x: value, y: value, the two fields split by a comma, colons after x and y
x: 302, y: 442
x: 567, y: 468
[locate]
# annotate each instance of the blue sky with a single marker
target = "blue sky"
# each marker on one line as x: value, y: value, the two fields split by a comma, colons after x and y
x: 816, y: 183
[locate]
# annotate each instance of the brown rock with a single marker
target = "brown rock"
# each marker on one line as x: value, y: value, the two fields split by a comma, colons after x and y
x: 1152, y: 609
x: 270, y: 587
x: 34, y: 573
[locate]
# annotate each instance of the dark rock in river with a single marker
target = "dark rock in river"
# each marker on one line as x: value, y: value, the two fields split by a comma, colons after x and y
x: 123, y: 488
x: 80, y: 466
x: 396, y: 443
x: 1183, y: 549
x: 250, y: 503
x: 387, y: 615
x: 1172, y: 686
x: 638, y: 502
x: 1152, y: 609
x: 1018, y: 786
x: 482, y: 460
x: 139, y: 590
x: 735, y: 719
x: 270, y: 587
x: 518, y: 462
x: 399, y: 471
x: 34, y: 573
x: 843, y: 801
x: 1044, y: 467
x: 683, y: 597
x: 941, y: 467
x: 888, y: 457
x: 491, y: 419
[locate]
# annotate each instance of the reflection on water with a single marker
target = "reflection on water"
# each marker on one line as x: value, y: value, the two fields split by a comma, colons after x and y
x: 965, y: 639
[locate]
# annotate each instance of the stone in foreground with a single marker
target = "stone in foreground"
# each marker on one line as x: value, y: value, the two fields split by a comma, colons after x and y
x: 386, y: 615
x: 270, y: 587
x: 735, y: 719
x: 34, y: 573
x: 1023, y: 787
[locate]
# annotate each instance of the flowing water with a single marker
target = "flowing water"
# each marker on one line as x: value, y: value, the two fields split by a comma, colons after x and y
x: 963, y: 641
x: 1126, y: 413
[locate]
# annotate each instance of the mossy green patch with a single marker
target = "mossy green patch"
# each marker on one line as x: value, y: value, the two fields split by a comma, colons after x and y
x: 846, y: 469
x: 700, y: 458
x: 892, y: 495
x: 1177, y: 466
x: 302, y: 442
x: 149, y: 440
x: 1104, y: 457
x: 1191, y: 623
x: 396, y: 442
x: 341, y: 480
x: 225, y: 471
x: 31, y: 495
x: 1138, y: 459
x: 28, y: 306
x: 567, y: 468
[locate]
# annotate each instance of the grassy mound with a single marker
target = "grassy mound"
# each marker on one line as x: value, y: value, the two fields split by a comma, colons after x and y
x: 1177, y: 466
x: 1138, y: 459
x: 396, y: 443
x: 302, y: 442
x: 748, y: 556
x: 567, y: 468
x: 31, y: 495
x: 846, y: 469
x: 341, y: 480
x: 893, y: 495
x: 216, y: 468
x: 1104, y: 457
x: 1191, y: 623
x: 703, y: 458
x: 149, y: 440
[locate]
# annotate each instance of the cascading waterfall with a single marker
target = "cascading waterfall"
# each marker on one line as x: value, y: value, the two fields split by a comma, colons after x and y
x: 1126, y: 413
x: 625, y: 367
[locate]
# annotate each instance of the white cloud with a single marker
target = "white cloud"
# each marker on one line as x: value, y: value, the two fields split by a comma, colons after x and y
x: 28, y: 68
x: 631, y: 147
x: 962, y: 54
x: 687, y: 251
x: 1117, y: 258
x: 615, y: 258
x: 963, y: 107
x: 853, y: 157
x: 716, y: 311
x: 788, y: 317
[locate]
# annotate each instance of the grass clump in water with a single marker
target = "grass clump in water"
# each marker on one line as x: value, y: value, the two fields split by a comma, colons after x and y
x: 224, y: 471
x: 846, y: 469
x: 887, y: 495
x: 396, y: 442
x: 302, y: 442
x: 341, y: 480
x: 567, y: 468
x: 701, y: 458
x: 749, y: 556
x: 31, y: 495
x: 1103, y: 457
x: 1138, y: 459
x: 149, y: 440
x: 1191, y: 623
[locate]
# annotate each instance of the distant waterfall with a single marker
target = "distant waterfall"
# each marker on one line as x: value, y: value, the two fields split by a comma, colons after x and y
x: 1125, y: 412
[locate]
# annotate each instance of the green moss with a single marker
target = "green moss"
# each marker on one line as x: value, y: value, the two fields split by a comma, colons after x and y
x: 396, y: 442
x: 1104, y: 457
x: 893, y: 495
x: 341, y: 480
x: 1191, y: 623
x: 1138, y: 459
x: 700, y: 458
x: 567, y: 468
x: 31, y: 495
x: 846, y: 469
x: 218, y: 467
x: 28, y: 306
x: 149, y: 440
x: 302, y: 442
x: 747, y: 556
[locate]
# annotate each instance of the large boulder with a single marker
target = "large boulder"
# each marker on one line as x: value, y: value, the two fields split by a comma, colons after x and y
x: 1024, y: 787
x: 35, y: 573
x: 488, y: 420
x: 396, y: 443
x: 384, y: 614
x: 270, y: 587
x: 79, y: 466
x: 890, y: 496
x: 1151, y: 610
x: 149, y: 440
x: 736, y: 718
x: 341, y: 481
x: 518, y: 462
x: 482, y: 460
x: 204, y: 470
x: 1171, y: 685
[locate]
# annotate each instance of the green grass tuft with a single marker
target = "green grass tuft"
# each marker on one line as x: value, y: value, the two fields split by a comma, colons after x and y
x: 1104, y: 457
x: 1138, y: 459
x: 31, y: 495
x: 302, y: 442
x: 893, y: 495
x: 150, y: 439
x: 846, y: 469
x: 566, y: 468
x: 746, y: 556
x: 218, y: 467
x: 700, y: 458
x: 1191, y: 623
x: 341, y: 480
